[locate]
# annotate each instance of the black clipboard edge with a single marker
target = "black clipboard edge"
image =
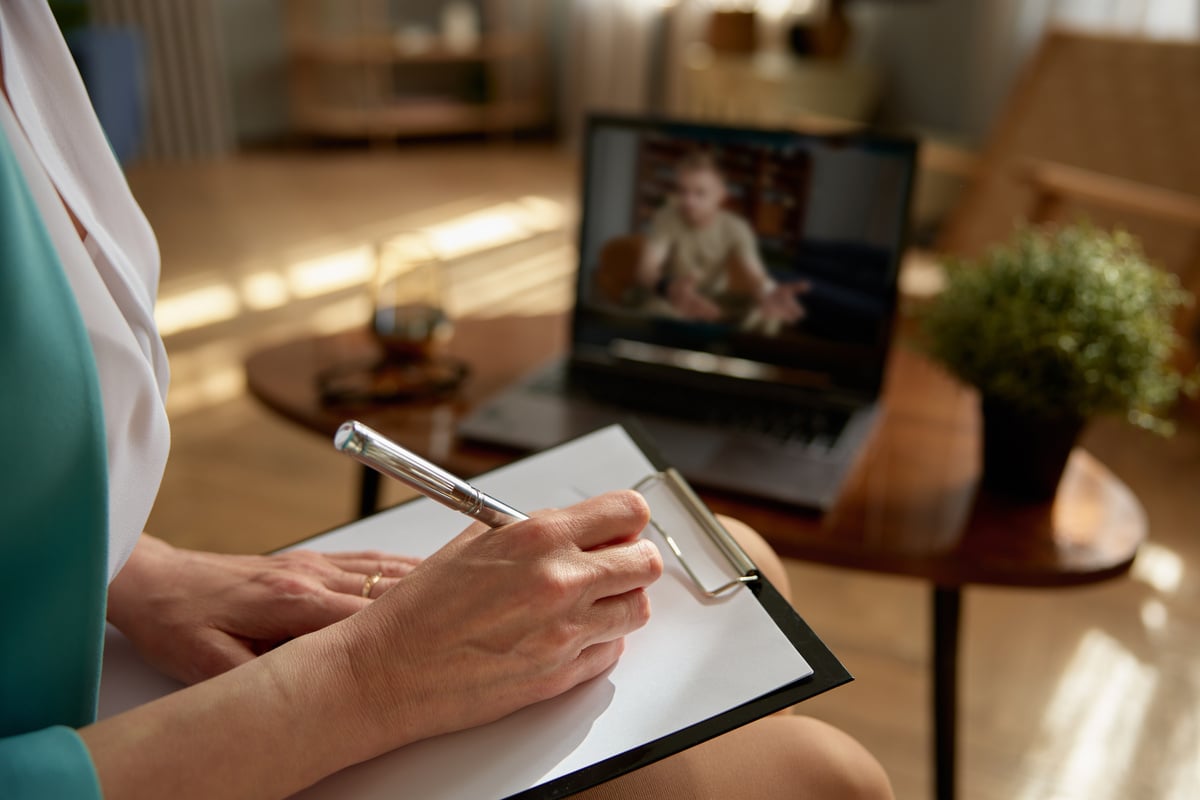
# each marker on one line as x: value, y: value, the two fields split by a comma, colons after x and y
x: 828, y: 673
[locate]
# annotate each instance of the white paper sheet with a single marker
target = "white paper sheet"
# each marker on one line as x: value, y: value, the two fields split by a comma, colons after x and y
x: 694, y: 660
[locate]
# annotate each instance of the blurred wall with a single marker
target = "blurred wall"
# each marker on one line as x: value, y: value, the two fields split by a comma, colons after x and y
x: 858, y: 193
x: 611, y: 190
x: 927, y: 55
x: 255, y: 67
x: 188, y: 114
x: 949, y: 65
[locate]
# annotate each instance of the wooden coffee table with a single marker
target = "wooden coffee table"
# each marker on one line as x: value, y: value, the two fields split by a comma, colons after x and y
x: 912, y: 506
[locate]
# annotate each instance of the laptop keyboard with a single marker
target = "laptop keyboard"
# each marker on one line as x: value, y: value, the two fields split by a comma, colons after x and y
x: 811, y: 424
x: 787, y: 423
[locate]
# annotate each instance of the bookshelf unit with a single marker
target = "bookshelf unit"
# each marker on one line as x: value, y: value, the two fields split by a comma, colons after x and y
x: 355, y: 70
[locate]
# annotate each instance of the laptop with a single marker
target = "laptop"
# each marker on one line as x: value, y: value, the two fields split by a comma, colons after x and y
x: 735, y: 296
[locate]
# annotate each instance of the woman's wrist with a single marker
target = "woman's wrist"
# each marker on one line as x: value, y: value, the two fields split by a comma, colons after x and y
x: 360, y: 696
x: 127, y: 590
x: 315, y: 677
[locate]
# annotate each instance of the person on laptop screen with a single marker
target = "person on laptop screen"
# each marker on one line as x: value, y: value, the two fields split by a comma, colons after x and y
x: 701, y: 260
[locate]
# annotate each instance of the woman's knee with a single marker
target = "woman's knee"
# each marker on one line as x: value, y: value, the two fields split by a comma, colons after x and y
x: 833, y: 763
x: 761, y: 553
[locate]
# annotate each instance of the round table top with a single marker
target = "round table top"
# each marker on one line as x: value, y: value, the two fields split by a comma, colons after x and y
x: 912, y: 505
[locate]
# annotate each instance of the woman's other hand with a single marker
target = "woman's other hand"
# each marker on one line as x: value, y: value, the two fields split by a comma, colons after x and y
x: 497, y: 620
x: 194, y: 615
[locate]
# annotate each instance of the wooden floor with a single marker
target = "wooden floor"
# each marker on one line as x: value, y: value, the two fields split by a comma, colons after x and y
x: 1085, y: 693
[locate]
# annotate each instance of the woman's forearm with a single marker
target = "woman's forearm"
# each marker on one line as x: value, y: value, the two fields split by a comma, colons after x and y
x: 266, y: 729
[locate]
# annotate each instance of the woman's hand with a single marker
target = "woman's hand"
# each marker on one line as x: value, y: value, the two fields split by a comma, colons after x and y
x: 497, y: 620
x: 194, y: 615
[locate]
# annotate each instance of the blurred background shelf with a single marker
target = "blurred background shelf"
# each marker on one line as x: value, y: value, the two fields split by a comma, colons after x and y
x: 374, y: 69
x: 382, y: 49
x: 416, y: 116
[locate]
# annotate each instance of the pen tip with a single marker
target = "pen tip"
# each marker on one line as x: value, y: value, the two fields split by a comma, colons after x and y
x: 347, y: 439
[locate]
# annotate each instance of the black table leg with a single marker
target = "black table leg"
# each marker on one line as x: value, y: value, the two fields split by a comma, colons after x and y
x: 368, y: 492
x: 947, y: 602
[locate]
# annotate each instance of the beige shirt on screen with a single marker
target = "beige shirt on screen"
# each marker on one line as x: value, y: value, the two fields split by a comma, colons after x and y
x: 704, y: 254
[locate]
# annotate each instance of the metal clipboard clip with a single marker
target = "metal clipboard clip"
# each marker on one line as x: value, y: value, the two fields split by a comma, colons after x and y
x: 724, y: 543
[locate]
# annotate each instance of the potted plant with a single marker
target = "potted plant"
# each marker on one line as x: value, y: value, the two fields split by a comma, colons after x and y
x: 1053, y: 328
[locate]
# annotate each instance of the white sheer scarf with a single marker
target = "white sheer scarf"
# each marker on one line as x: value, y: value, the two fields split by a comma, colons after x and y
x: 62, y: 153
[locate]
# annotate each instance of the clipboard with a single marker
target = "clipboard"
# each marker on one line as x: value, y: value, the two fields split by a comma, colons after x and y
x: 827, y: 671
x: 705, y: 600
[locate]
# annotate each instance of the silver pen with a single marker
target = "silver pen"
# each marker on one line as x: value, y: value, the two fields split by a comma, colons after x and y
x: 380, y: 453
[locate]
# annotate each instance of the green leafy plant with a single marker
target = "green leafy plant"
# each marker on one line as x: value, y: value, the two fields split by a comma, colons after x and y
x: 1064, y: 322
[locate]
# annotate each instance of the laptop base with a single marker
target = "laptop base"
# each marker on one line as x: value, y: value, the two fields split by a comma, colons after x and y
x: 530, y: 416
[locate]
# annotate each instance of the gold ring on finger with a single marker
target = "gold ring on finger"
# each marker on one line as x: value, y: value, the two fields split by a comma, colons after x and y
x: 369, y: 582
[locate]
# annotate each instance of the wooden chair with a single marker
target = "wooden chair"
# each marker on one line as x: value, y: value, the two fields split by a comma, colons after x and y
x: 1101, y: 126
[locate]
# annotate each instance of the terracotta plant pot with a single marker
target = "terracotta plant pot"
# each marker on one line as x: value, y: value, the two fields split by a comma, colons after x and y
x: 1024, y: 455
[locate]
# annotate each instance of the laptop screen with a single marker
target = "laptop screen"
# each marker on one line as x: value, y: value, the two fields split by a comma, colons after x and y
x: 759, y: 254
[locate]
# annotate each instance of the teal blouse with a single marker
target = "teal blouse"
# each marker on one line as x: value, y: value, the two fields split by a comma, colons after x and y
x: 53, y: 512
